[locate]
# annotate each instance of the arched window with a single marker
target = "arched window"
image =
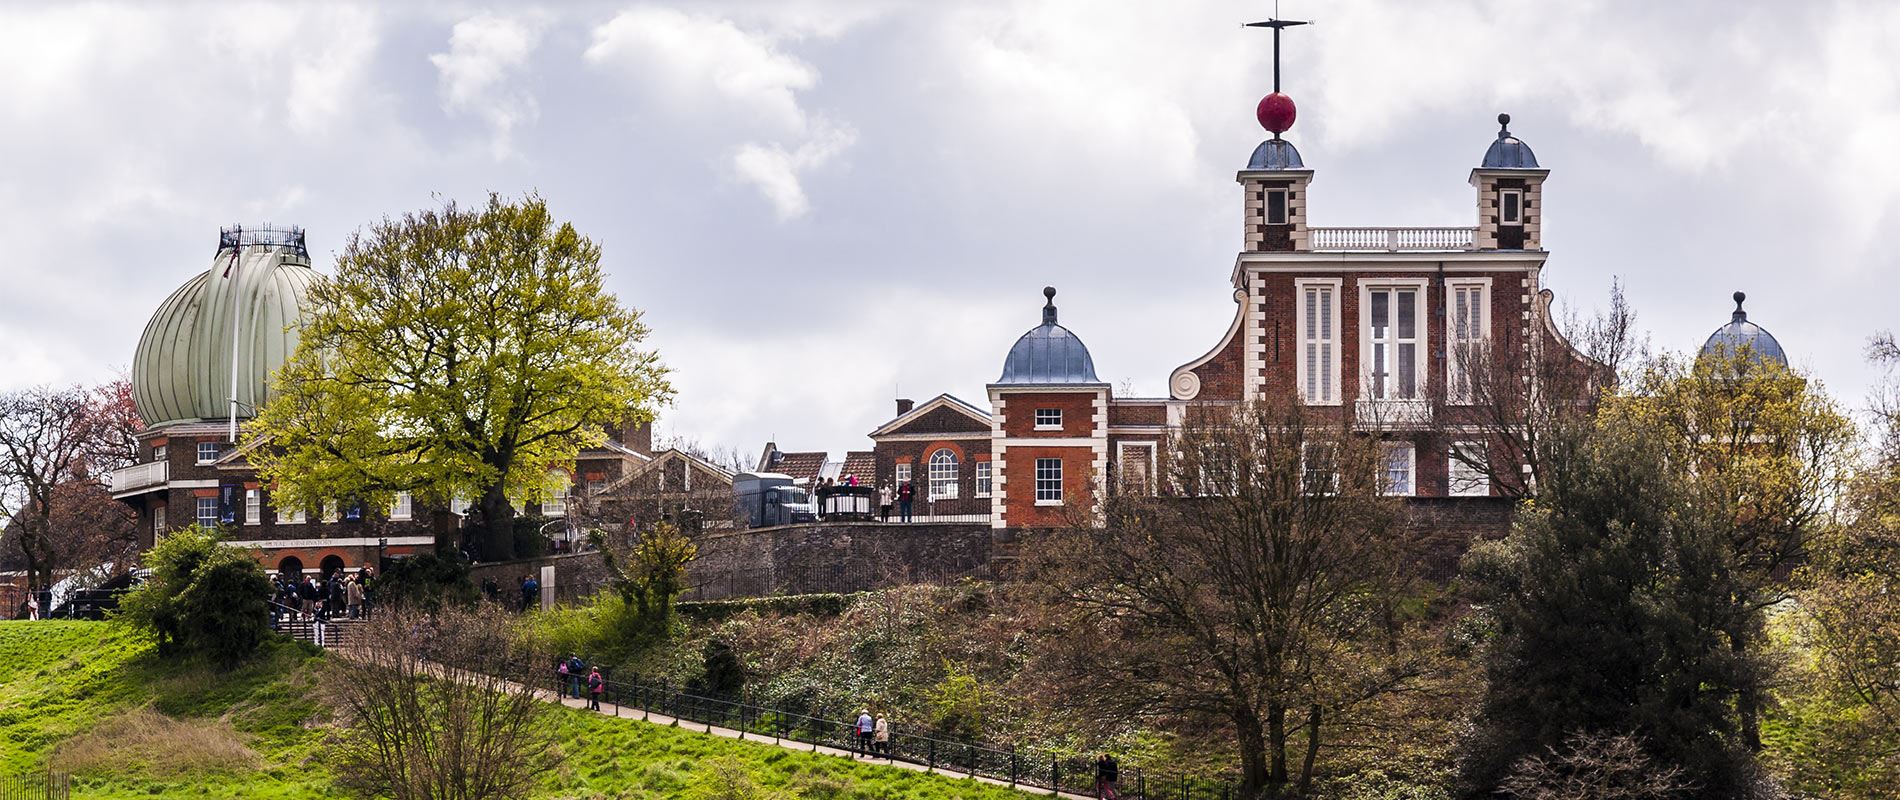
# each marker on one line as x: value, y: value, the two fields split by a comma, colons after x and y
x: 943, y: 475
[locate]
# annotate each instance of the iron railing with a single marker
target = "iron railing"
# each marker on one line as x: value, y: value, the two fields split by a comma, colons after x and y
x: 42, y: 786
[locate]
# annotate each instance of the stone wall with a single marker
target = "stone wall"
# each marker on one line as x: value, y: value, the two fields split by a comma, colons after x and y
x: 576, y: 576
x: 839, y: 557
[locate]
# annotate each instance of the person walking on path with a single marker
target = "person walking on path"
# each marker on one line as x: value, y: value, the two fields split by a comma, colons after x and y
x: 884, y: 501
x: 562, y: 682
x: 881, y: 737
x: 1107, y: 772
x: 861, y: 740
x: 530, y: 593
x: 33, y: 606
x: 904, y: 495
x: 576, y: 674
x: 595, y: 686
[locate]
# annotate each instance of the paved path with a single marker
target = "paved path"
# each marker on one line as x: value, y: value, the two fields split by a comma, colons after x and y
x: 640, y: 715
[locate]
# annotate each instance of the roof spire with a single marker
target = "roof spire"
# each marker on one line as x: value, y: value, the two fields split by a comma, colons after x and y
x: 1049, y: 305
x: 1740, y: 315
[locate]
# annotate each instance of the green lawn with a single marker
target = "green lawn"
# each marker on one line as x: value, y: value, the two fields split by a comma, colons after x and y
x: 129, y: 724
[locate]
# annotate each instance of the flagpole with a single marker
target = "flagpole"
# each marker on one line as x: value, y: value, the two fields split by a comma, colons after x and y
x: 237, y: 269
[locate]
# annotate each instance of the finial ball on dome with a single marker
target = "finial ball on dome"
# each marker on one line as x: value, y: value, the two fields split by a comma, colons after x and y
x: 1739, y: 297
x: 1049, y: 292
x: 1503, y: 120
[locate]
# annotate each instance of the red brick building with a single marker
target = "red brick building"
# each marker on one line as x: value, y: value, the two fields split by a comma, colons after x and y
x: 1364, y: 325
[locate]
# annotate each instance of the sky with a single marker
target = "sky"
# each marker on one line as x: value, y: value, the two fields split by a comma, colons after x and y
x: 822, y: 206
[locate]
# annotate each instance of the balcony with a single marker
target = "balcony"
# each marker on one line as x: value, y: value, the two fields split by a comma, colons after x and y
x: 1391, y: 239
x: 1392, y: 415
x: 128, y: 481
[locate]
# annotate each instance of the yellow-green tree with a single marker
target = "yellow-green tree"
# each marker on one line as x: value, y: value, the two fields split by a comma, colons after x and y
x: 1767, y: 453
x: 456, y: 352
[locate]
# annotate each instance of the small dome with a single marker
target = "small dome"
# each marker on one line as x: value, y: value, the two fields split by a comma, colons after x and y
x: 1509, y: 152
x: 1740, y: 334
x: 182, y: 368
x: 1048, y: 353
x: 1275, y: 154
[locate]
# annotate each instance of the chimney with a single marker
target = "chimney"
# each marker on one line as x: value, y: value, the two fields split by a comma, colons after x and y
x: 904, y: 405
x: 636, y: 435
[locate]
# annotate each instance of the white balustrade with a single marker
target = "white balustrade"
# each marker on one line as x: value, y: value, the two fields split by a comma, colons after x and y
x: 1392, y: 415
x: 1391, y: 238
x: 139, y: 476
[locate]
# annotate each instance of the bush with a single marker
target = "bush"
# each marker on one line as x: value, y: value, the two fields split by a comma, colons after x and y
x: 426, y: 582
x: 606, y: 629
x: 829, y: 604
x: 202, y: 598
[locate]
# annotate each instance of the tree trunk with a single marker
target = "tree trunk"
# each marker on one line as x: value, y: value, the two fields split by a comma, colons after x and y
x: 1253, y: 754
x: 494, y: 532
x: 1276, y: 749
x: 1312, y: 749
x: 1748, y: 698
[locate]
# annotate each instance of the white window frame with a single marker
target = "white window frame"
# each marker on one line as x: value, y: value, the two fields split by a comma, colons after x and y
x: 1504, y: 205
x: 1421, y: 316
x: 200, y: 504
x: 217, y: 449
x: 1286, y: 206
x: 253, y: 506
x: 1310, y: 476
x: 594, y: 488
x: 1048, y: 419
x: 1324, y: 389
x: 902, y: 474
x: 293, y: 516
x: 1123, y: 449
x: 1048, y: 481
x: 402, y: 507
x: 942, y: 474
x: 329, y: 512
x: 159, y: 452
x: 1465, y: 480
x: 560, y: 485
x: 984, y: 479
x: 460, y: 504
x: 1457, y: 383
x: 1386, y: 485
x: 158, y: 522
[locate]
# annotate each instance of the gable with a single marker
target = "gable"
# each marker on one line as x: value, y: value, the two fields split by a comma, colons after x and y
x: 942, y: 415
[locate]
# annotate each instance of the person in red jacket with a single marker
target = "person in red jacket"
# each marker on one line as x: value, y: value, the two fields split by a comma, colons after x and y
x: 595, y: 686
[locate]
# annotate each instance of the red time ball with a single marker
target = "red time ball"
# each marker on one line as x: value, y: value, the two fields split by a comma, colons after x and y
x: 1276, y: 113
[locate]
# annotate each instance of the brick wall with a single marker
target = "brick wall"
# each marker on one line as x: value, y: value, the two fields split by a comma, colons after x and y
x: 1078, y: 413
x: 1020, y: 509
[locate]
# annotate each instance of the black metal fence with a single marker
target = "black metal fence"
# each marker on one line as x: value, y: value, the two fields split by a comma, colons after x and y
x: 43, y: 786
x: 1036, y: 768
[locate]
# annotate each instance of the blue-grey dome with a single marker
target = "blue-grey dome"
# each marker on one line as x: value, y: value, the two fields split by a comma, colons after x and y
x: 1740, y: 334
x: 1275, y: 154
x: 1048, y: 353
x: 1509, y: 152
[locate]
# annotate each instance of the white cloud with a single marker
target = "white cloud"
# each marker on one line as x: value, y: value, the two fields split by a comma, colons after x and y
x: 485, y: 51
x: 775, y: 171
x: 701, y: 63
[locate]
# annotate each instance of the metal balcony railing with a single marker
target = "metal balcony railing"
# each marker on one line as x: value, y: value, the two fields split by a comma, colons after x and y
x: 1393, y: 239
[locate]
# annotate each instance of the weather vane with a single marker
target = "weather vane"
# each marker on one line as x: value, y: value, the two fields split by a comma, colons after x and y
x: 1276, y: 111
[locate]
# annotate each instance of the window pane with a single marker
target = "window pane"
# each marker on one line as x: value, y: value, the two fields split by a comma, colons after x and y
x: 1408, y: 306
x: 1379, y: 315
x: 1408, y: 377
x: 1326, y: 315
x: 1378, y: 369
x: 1276, y: 207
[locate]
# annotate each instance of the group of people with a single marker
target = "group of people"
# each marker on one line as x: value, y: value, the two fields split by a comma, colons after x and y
x: 903, y: 496
x: 870, y: 736
x: 338, y: 595
x: 572, y: 675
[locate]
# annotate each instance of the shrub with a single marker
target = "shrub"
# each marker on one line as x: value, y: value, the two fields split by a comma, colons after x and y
x: 426, y: 582
x: 202, y: 598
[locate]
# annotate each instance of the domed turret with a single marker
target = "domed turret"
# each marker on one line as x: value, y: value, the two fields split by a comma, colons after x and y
x: 1048, y: 353
x: 1741, y: 335
x: 182, y: 369
x: 1508, y: 152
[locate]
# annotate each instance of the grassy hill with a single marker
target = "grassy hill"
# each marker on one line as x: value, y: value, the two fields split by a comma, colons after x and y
x: 92, y: 699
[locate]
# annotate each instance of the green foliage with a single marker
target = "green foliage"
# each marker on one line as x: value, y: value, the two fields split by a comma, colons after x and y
x: 457, y: 352
x: 202, y: 598
x: 829, y: 604
x: 606, y: 629
x: 960, y: 704
x: 722, y: 673
x: 427, y: 581
x: 650, y: 572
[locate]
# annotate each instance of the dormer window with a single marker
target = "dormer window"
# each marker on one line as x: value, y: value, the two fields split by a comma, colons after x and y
x: 1511, y: 207
x: 1276, y: 206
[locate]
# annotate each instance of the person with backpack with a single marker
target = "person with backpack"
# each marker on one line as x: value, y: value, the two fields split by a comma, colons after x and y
x: 576, y: 672
x: 562, y: 684
x: 1107, y: 772
x: 595, y: 686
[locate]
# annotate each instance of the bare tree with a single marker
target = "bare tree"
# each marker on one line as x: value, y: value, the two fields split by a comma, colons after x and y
x: 1596, y: 767
x: 1517, y: 391
x: 439, y: 706
x: 51, y: 439
x: 1259, y: 605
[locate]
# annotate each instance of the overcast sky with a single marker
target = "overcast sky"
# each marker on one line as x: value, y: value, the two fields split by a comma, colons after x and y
x: 820, y: 206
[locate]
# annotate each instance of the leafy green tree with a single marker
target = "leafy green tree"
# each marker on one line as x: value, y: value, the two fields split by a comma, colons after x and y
x: 457, y: 353
x: 649, y: 572
x: 202, y: 598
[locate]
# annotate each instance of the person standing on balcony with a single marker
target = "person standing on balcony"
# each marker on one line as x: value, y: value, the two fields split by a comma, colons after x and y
x: 884, y: 501
x: 905, y: 493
